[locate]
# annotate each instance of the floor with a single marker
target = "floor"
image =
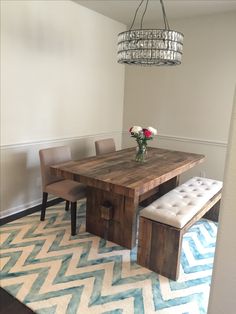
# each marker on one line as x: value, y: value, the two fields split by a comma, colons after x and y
x: 10, y: 305
x: 52, y: 272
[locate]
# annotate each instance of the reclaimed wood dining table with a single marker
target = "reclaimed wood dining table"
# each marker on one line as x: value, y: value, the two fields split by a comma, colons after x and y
x: 116, y: 184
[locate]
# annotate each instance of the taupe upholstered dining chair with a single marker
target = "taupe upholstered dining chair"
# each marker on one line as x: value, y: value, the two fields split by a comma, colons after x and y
x: 105, y: 146
x: 69, y: 190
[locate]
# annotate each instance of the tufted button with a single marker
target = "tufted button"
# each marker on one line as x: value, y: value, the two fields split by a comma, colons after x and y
x: 178, y: 206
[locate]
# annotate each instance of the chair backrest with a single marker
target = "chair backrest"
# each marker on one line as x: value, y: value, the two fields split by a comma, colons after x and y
x: 52, y: 156
x: 105, y: 146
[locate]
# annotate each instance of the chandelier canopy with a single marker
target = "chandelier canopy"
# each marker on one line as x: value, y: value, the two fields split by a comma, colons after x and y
x: 150, y: 46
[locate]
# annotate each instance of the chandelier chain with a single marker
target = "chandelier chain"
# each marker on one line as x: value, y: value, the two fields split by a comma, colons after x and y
x: 144, y: 12
x: 141, y: 25
x: 136, y: 14
x: 164, y: 15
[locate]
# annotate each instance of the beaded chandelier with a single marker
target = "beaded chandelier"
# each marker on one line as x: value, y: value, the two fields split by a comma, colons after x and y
x: 150, y: 46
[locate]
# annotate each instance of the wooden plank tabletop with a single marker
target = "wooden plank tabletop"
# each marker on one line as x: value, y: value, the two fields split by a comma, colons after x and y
x: 120, y: 173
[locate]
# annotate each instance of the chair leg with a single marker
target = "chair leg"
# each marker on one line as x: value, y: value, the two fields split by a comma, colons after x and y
x: 67, y: 206
x: 44, y: 205
x: 73, y: 218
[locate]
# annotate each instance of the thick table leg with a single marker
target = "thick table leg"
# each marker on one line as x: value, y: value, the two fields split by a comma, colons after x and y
x: 148, y: 197
x: 118, y: 222
x: 168, y: 186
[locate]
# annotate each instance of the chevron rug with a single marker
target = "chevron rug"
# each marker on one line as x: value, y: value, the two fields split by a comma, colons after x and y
x: 52, y: 272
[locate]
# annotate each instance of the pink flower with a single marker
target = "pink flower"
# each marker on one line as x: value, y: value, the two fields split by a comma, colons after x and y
x: 151, y: 129
x: 147, y: 133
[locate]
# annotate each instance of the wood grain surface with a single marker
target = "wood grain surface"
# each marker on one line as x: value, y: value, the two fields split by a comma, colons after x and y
x: 118, y: 179
x: 160, y: 245
x: 120, y: 173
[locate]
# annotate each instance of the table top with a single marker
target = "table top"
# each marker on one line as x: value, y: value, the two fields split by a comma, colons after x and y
x: 120, y: 173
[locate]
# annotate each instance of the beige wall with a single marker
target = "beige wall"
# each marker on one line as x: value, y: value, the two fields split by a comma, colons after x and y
x: 190, y: 104
x: 60, y: 84
x: 222, y: 296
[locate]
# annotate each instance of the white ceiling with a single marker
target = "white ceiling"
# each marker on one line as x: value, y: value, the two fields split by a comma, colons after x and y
x: 123, y: 10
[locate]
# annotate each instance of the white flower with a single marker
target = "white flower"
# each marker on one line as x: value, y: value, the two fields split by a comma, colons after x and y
x: 136, y: 129
x: 151, y: 129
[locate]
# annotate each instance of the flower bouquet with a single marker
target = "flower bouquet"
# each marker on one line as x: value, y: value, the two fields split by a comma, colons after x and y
x: 142, y: 136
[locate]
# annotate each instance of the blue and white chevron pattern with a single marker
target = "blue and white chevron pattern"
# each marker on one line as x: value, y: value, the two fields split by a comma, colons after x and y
x: 52, y: 272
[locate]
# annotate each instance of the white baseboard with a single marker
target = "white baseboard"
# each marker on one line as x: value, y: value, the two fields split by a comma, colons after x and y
x: 18, y: 209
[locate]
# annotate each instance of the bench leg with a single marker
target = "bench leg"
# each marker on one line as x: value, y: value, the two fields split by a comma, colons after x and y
x: 159, y: 248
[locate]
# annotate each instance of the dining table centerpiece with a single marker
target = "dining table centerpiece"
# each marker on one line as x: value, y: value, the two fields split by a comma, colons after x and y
x: 142, y: 136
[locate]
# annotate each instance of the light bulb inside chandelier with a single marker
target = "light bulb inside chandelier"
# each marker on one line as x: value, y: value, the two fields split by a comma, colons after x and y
x: 150, y: 46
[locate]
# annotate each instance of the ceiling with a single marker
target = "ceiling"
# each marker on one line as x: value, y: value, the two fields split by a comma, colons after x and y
x: 123, y: 10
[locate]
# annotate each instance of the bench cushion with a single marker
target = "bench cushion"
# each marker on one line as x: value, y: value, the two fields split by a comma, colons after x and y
x: 177, y: 207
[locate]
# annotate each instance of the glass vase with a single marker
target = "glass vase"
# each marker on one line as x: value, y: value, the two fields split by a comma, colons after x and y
x: 141, y: 153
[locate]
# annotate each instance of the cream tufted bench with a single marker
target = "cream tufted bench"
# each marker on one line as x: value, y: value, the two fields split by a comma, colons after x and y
x: 163, y: 223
